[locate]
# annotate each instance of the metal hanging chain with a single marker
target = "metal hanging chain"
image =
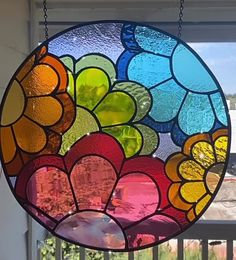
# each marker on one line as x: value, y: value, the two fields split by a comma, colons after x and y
x: 181, y: 15
x: 45, y: 10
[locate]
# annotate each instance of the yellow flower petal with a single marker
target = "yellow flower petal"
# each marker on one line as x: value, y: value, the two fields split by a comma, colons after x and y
x: 203, y: 153
x: 202, y: 204
x: 14, y: 104
x: 221, y: 145
x: 44, y: 110
x: 29, y: 136
x: 192, y: 191
x: 191, y: 170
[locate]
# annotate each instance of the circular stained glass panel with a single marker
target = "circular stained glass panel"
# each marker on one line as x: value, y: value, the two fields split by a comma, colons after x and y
x: 114, y: 135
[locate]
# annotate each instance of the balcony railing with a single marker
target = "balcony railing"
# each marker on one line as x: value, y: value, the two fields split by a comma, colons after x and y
x: 207, y: 232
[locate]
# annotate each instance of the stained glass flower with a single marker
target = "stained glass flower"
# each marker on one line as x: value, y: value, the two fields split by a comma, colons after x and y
x: 186, y: 96
x: 105, y: 104
x: 36, y: 111
x: 95, y: 190
x: 197, y: 171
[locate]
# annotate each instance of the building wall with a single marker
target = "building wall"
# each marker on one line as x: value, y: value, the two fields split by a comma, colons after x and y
x: 14, y: 46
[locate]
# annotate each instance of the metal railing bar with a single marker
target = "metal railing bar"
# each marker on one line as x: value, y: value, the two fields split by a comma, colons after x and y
x: 106, y: 255
x: 180, y: 249
x: 230, y: 250
x: 131, y: 256
x: 155, y: 253
x: 58, y: 250
x: 82, y: 253
x: 204, y: 249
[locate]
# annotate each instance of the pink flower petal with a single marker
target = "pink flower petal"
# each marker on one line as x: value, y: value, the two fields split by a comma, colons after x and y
x: 49, y: 190
x: 93, y: 179
x: 135, y: 197
x: 91, y: 228
x: 153, y: 167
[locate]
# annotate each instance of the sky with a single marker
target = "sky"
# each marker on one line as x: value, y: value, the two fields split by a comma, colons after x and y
x: 221, y: 59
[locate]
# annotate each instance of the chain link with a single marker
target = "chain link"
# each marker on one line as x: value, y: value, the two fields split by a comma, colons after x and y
x: 181, y: 15
x: 45, y: 10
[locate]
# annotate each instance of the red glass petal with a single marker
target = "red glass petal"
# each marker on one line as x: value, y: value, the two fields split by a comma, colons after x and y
x: 177, y: 215
x: 102, y: 145
x: 150, y: 231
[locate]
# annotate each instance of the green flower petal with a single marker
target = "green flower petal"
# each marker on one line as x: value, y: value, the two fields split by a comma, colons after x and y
x: 150, y: 139
x: 68, y: 62
x: 140, y: 94
x: 97, y: 61
x: 116, y: 108
x: 91, y: 86
x: 84, y: 124
x: 71, y: 85
x: 128, y: 136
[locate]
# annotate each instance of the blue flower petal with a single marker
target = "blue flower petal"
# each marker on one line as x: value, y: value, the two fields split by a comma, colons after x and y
x: 178, y: 136
x: 128, y: 38
x: 167, y: 99
x: 196, y: 115
x: 123, y: 63
x: 154, y: 41
x: 219, y: 107
x: 158, y: 127
x: 189, y: 71
x: 149, y: 69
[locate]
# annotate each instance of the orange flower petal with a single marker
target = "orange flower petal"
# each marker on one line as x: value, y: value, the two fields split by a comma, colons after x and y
x: 30, y: 137
x: 53, y: 143
x: 41, y: 80
x: 14, y: 104
x: 59, y: 68
x: 173, y: 165
x: 26, y: 68
x: 175, y: 198
x: 13, y: 168
x: 41, y: 52
x: 44, y: 110
x: 218, y: 133
x: 68, y: 115
x: 8, y: 145
x: 191, y: 215
x: 193, y: 140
